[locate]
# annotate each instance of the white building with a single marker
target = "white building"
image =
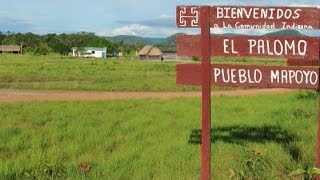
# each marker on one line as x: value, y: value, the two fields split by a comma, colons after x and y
x: 90, y: 52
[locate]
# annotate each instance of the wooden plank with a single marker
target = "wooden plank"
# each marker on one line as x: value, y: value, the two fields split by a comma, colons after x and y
x: 318, y: 137
x: 251, y: 17
x: 188, y: 16
x: 303, y: 62
x: 206, y: 93
x: 251, y: 76
x: 252, y: 46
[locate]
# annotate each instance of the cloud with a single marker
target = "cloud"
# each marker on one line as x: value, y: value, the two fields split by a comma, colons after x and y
x: 149, y: 31
x: 265, y: 3
x: 313, y: 33
x: 241, y: 31
x: 140, y: 30
x: 15, y: 25
x: 161, y: 21
x: 161, y: 26
x: 133, y: 29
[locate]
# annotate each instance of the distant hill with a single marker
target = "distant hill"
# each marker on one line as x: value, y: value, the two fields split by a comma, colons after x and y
x: 126, y: 39
x: 136, y: 39
x: 171, y: 40
x: 286, y: 32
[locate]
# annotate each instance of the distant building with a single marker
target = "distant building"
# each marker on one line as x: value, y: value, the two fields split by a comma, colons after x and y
x: 13, y: 49
x: 150, y: 52
x: 89, y: 52
x: 171, y: 55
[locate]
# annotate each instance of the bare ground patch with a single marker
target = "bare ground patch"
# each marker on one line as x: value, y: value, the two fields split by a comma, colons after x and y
x: 10, y: 96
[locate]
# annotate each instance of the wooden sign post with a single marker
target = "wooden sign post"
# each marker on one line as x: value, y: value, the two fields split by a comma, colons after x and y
x: 294, y: 48
x: 206, y: 93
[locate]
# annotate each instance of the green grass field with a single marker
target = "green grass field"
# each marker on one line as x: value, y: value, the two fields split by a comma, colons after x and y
x: 264, y: 137
x: 66, y: 73
x: 158, y: 139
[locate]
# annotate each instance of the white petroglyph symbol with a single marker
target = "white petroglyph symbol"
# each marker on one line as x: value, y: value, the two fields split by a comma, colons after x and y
x: 193, y: 15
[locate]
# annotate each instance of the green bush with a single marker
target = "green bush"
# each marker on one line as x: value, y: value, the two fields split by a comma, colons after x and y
x: 43, y: 49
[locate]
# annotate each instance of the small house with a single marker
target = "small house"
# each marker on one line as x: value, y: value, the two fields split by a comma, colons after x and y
x: 89, y: 52
x: 12, y: 49
x: 170, y: 55
x: 150, y: 52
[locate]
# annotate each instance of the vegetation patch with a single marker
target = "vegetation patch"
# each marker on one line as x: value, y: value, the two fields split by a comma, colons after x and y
x: 68, y: 73
x: 257, y: 137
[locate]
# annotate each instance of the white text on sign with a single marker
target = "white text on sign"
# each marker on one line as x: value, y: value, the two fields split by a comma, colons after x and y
x: 269, y: 47
x: 255, y: 76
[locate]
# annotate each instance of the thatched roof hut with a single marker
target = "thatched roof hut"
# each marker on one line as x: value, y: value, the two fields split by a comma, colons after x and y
x: 155, y: 52
x: 145, y: 50
x: 10, y: 49
x: 150, y: 52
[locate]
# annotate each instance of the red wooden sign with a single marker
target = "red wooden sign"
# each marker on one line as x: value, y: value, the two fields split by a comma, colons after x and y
x: 240, y: 75
x: 252, y: 46
x: 247, y: 17
x: 303, y: 62
x: 251, y: 76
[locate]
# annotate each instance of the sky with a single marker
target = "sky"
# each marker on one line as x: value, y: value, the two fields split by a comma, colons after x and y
x: 147, y: 18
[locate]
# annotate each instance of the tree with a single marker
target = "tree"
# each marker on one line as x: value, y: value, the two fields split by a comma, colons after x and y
x: 62, y: 44
x: 43, y: 49
x: 80, y: 51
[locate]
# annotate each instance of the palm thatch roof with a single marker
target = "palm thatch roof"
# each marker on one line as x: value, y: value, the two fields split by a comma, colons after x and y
x: 149, y: 50
x: 155, y: 52
x: 10, y: 48
x: 145, y: 50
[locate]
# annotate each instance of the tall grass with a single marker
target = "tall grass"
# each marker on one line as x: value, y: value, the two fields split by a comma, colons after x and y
x: 66, y: 73
x: 158, y: 139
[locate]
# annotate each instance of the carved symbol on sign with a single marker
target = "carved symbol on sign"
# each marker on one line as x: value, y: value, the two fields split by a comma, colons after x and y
x: 189, y: 15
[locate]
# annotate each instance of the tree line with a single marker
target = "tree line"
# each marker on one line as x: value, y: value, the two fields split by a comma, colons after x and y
x: 62, y: 43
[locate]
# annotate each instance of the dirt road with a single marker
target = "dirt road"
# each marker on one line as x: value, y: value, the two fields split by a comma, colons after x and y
x: 10, y: 96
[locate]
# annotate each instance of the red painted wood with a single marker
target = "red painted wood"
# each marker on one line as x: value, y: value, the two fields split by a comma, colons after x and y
x: 252, y: 46
x: 190, y: 74
x: 251, y: 17
x: 299, y: 16
x: 188, y: 16
x: 303, y: 48
x: 318, y: 136
x: 206, y: 96
x: 303, y: 62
